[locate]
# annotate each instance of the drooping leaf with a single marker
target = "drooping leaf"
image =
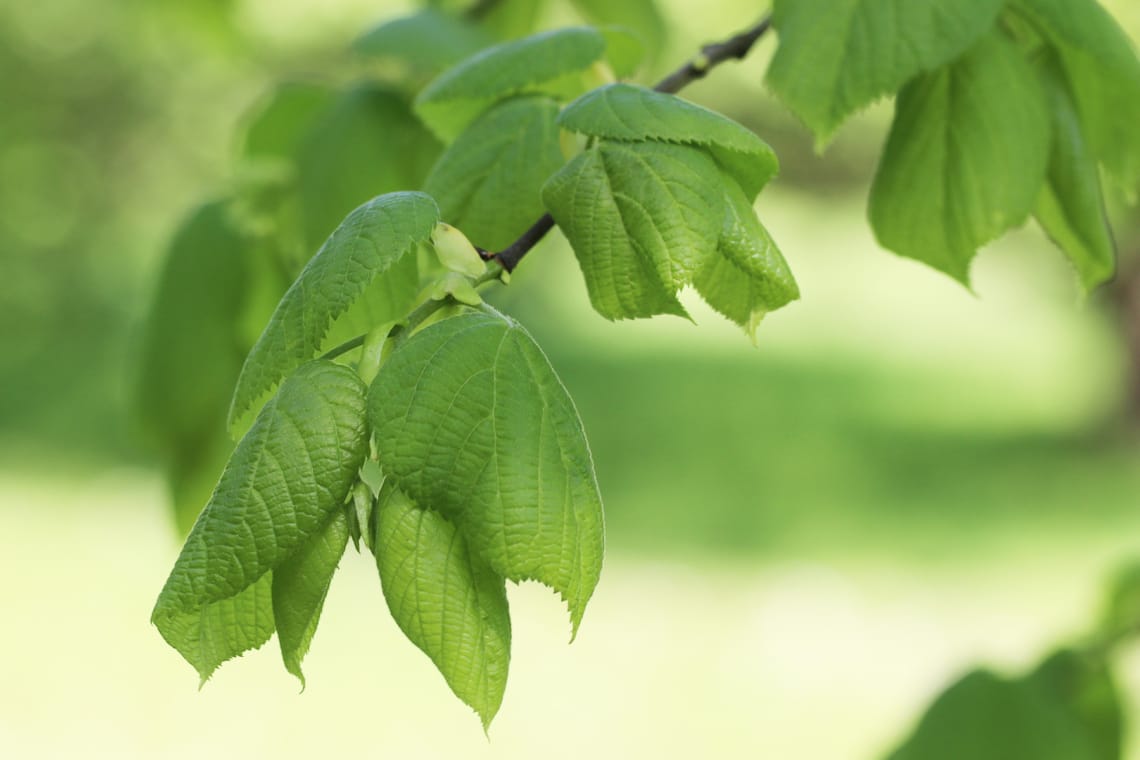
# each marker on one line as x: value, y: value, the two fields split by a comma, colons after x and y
x: 632, y: 113
x: 446, y: 599
x: 1084, y: 685
x: 1104, y: 73
x: 281, y: 121
x: 536, y: 64
x: 965, y: 160
x: 837, y: 56
x: 373, y: 239
x: 286, y: 477
x: 1071, y: 206
x: 470, y: 420
x: 487, y: 183
x: 428, y: 41
x: 642, y: 17
x: 366, y: 144
x: 300, y: 585
x: 984, y: 717
x: 748, y: 277
x: 643, y: 219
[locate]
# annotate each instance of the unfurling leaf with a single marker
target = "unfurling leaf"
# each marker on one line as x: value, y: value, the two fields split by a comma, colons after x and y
x: 965, y: 160
x: 837, y: 56
x: 487, y: 182
x: 470, y: 420
x: 446, y: 599
x: 374, y: 239
x: 287, y: 477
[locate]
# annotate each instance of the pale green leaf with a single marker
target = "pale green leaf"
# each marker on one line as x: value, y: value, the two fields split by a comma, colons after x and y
x: 642, y: 17
x: 1070, y: 207
x: 509, y: 19
x: 837, y: 56
x: 470, y: 420
x: 984, y: 717
x: 283, y: 118
x: 536, y: 64
x: 965, y: 160
x: 1104, y: 74
x: 748, y: 277
x: 643, y: 219
x: 370, y: 242
x: 300, y: 585
x: 625, y: 50
x: 488, y: 182
x: 286, y: 477
x: 429, y: 40
x: 446, y: 599
x: 631, y: 113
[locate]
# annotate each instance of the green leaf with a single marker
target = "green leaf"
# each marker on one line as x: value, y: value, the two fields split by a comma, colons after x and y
x: 367, y: 143
x: 446, y: 599
x: 748, y: 277
x: 1121, y: 617
x: 1070, y: 207
x: 625, y: 50
x: 643, y: 219
x: 1083, y: 684
x: 428, y: 40
x: 287, y: 476
x: 371, y: 241
x: 508, y: 19
x: 965, y: 160
x: 488, y: 182
x: 1104, y: 74
x: 536, y: 64
x: 837, y: 56
x: 470, y: 420
x: 642, y: 17
x: 631, y: 113
x: 283, y: 119
x: 300, y: 585
x: 984, y: 717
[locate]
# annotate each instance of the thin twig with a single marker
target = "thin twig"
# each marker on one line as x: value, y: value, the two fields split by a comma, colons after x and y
x: 712, y: 55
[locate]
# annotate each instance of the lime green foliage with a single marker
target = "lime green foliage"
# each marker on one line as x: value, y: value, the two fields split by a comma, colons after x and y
x: 428, y: 41
x: 836, y: 57
x: 286, y: 478
x: 1103, y: 71
x: 631, y: 113
x: 469, y: 420
x: 642, y: 17
x: 370, y: 242
x: 537, y: 64
x: 191, y: 352
x: 985, y: 717
x: 487, y: 182
x: 664, y: 201
x: 300, y: 585
x: 1070, y: 207
x: 965, y: 160
x: 446, y: 599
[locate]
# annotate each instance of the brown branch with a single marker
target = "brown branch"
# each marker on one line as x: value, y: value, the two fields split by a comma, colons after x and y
x: 712, y: 55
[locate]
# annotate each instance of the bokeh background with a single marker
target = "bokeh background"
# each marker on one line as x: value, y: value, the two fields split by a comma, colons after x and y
x: 807, y: 540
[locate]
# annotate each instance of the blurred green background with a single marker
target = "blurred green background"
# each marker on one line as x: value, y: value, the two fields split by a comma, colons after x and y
x: 807, y: 540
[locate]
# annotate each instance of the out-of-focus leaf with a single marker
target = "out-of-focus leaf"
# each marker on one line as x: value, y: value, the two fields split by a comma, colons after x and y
x: 429, y: 40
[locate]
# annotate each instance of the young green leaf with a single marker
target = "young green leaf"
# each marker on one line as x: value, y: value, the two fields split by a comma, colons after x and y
x: 965, y: 160
x: 631, y: 113
x: 428, y: 40
x: 984, y: 717
x: 373, y: 239
x: 837, y: 56
x: 366, y: 144
x: 446, y: 599
x: 1070, y: 207
x: 1101, y: 65
x: 470, y: 420
x: 536, y: 64
x: 642, y: 17
x: 300, y: 585
x: 283, y: 119
x: 643, y: 219
x: 487, y: 182
x: 748, y: 277
x: 287, y: 476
